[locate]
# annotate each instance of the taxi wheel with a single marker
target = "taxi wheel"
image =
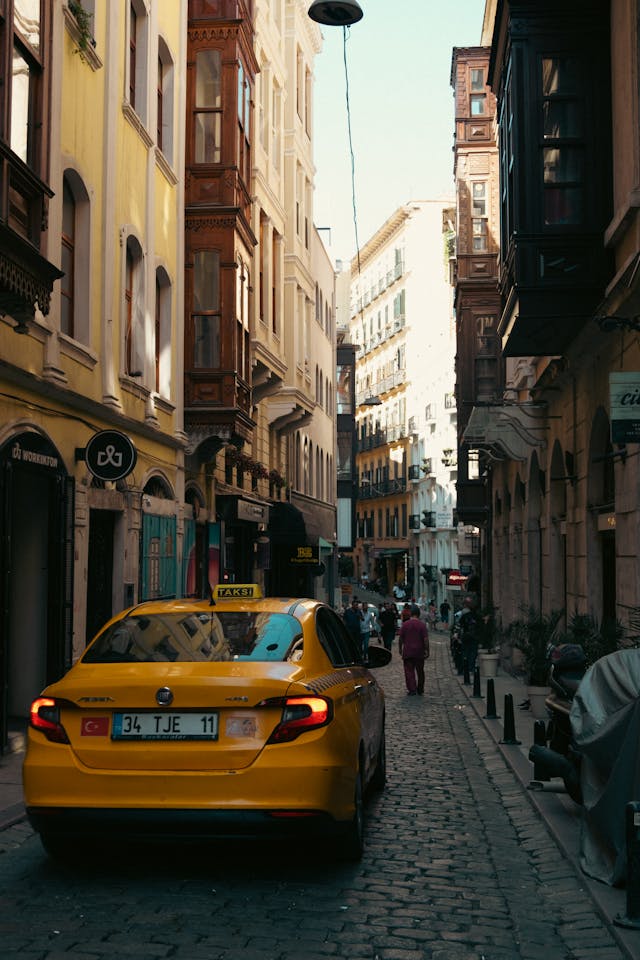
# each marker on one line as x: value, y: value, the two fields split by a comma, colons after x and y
x: 351, y: 844
x: 379, y: 777
x: 60, y: 847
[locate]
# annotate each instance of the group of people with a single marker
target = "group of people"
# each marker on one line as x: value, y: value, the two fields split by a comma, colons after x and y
x: 363, y: 621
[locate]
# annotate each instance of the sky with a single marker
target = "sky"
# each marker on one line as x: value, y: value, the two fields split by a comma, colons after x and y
x: 398, y: 65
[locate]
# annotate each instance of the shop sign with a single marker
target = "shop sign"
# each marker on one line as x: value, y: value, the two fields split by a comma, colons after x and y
x: 624, y: 400
x: 253, y: 512
x: 444, y: 518
x: 456, y: 579
x: 305, y: 556
x: 110, y: 455
x: 24, y: 451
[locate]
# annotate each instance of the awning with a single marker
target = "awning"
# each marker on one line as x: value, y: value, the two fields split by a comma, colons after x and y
x: 507, y: 431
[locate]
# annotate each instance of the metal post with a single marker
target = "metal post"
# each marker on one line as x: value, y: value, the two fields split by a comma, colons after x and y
x: 476, y: 683
x: 491, y: 701
x: 465, y: 671
x: 509, y: 722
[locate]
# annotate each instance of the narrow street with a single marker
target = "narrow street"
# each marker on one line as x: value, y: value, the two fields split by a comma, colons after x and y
x: 457, y: 866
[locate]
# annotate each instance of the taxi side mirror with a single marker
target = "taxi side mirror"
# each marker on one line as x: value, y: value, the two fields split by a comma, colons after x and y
x: 378, y: 656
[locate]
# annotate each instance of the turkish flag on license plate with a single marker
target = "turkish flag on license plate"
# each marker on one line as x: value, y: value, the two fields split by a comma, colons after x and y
x: 94, y: 727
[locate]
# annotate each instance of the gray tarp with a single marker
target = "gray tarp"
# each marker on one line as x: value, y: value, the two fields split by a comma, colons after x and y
x: 605, y: 720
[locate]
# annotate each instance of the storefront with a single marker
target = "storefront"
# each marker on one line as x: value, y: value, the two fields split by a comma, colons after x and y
x: 37, y: 557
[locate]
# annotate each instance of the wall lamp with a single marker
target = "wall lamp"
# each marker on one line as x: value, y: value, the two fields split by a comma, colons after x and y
x: 609, y: 324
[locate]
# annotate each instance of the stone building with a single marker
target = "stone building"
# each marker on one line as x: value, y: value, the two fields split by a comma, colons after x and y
x: 559, y: 455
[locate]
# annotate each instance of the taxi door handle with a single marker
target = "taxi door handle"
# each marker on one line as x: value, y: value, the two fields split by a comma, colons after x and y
x: 358, y: 688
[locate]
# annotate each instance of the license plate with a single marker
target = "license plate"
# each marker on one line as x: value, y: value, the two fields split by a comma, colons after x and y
x: 165, y: 726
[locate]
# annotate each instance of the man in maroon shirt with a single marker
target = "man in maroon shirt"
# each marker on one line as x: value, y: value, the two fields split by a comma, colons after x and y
x: 414, y: 650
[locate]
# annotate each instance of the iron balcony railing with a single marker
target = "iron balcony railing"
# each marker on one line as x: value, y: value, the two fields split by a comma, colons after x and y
x: 385, y: 488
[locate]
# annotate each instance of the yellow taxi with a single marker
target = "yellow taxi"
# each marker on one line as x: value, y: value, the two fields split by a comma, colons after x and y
x: 202, y: 718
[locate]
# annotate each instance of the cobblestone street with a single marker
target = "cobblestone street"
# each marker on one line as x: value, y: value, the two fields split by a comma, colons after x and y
x: 458, y: 866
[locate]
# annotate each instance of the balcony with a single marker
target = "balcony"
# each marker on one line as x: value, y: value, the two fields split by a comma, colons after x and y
x: 414, y: 472
x: 429, y: 518
x: 472, y: 502
x: 385, y: 488
x: 414, y: 521
x: 380, y: 438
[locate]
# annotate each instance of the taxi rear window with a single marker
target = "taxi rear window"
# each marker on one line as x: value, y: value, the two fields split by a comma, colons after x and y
x: 197, y: 637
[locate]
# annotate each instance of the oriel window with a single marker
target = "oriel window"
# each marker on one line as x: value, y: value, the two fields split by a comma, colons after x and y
x: 208, y: 107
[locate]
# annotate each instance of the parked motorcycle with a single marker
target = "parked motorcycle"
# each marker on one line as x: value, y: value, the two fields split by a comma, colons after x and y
x: 560, y: 759
x: 598, y: 755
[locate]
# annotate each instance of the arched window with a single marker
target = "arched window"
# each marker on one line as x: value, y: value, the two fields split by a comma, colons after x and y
x: 75, y: 242
x: 165, y: 97
x: 134, y: 310
x: 163, y: 333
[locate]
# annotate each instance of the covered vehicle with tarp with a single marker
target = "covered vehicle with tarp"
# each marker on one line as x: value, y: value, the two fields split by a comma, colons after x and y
x: 605, y: 721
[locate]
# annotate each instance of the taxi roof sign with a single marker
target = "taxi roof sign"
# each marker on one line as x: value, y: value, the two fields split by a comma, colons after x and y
x: 237, y: 591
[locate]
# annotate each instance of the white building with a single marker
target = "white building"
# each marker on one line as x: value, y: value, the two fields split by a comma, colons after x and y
x: 401, y: 320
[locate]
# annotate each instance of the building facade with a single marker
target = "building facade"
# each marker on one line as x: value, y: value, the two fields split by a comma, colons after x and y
x: 91, y: 428
x: 163, y: 292
x: 401, y: 324
x: 560, y: 452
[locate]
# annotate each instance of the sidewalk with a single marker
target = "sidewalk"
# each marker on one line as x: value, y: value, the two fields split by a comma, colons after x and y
x: 560, y: 814
x: 11, y: 801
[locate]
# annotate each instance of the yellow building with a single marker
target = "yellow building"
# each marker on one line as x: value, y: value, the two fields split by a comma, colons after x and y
x: 91, y: 432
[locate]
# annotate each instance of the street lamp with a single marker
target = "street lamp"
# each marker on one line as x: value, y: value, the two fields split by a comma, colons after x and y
x: 335, y: 13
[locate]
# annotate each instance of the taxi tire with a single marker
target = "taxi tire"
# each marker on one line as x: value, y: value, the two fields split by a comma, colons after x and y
x: 61, y: 848
x: 351, y: 843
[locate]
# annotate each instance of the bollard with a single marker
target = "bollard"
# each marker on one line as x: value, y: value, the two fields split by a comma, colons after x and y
x: 540, y: 739
x: 491, y: 701
x: 632, y: 820
x: 465, y: 671
x: 459, y: 664
x: 476, y: 684
x: 509, y: 722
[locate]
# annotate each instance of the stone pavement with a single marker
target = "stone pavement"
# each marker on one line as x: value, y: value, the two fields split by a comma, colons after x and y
x: 462, y: 862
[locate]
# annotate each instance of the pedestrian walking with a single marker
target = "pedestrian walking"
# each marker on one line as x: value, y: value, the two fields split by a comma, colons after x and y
x: 388, y: 621
x: 414, y: 649
x: 469, y: 628
x: 445, y: 609
x: 368, y: 625
x: 352, y: 619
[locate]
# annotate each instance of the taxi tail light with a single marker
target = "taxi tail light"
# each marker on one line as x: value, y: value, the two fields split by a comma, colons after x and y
x: 299, y: 715
x: 45, y: 717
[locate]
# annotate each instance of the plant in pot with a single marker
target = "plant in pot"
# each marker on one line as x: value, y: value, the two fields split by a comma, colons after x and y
x: 534, y: 636
x: 489, y: 642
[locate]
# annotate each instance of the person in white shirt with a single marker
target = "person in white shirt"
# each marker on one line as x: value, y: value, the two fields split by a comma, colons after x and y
x: 368, y: 624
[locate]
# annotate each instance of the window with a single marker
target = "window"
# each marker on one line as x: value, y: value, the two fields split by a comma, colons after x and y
x: 206, y: 316
x: 276, y: 102
x: 562, y: 151
x: 244, y: 121
x: 263, y: 107
x: 67, y: 304
x: 75, y: 259
x: 478, y: 104
x: 479, y: 217
x: 477, y: 80
x: 164, y: 120
x: 208, y: 107
x: 138, y: 40
x: 134, y: 310
x: 163, y: 334
x: 25, y: 83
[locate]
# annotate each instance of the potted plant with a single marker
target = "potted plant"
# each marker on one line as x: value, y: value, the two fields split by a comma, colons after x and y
x: 489, y: 642
x: 534, y: 636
